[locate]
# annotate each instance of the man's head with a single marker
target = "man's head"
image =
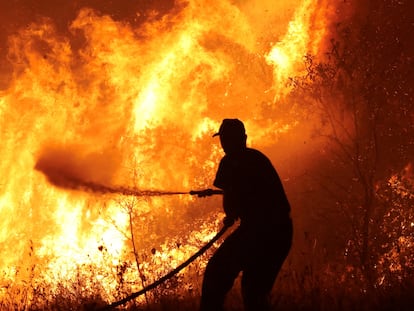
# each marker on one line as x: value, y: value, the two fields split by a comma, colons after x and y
x: 232, y: 135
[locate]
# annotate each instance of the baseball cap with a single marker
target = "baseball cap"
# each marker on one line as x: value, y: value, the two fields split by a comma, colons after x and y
x: 232, y: 127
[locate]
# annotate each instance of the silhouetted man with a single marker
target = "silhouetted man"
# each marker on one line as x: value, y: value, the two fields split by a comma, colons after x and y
x: 253, y: 193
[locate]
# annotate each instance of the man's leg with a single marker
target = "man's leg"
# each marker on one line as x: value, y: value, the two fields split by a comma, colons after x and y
x: 257, y: 285
x: 221, y: 271
x: 265, y: 259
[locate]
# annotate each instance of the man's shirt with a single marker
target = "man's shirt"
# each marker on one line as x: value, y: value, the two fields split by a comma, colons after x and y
x: 252, y: 189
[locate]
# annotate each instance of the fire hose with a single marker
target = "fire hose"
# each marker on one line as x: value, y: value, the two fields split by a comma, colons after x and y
x: 72, y: 182
x: 168, y: 275
x: 202, y: 250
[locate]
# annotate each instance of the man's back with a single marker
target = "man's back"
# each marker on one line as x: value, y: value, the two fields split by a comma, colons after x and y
x: 250, y: 180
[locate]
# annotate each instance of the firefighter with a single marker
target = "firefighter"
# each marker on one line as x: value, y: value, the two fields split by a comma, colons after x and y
x: 252, y: 193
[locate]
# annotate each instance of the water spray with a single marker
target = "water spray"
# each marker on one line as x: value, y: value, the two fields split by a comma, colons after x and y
x: 70, y: 182
x: 65, y: 176
x: 76, y: 184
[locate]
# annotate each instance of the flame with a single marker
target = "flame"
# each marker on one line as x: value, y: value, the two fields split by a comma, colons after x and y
x: 303, y: 36
x: 123, y: 105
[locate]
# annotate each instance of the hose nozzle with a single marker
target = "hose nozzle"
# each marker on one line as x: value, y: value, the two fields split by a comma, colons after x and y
x: 205, y: 192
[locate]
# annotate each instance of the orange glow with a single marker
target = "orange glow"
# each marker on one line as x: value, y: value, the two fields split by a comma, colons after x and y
x: 133, y: 107
x: 302, y: 37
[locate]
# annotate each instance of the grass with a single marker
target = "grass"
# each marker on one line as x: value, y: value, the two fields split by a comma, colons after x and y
x: 293, y: 290
x: 308, y: 281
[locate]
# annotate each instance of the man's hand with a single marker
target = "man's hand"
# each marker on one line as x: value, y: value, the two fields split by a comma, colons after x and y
x: 228, y: 221
x: 205, y: 193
